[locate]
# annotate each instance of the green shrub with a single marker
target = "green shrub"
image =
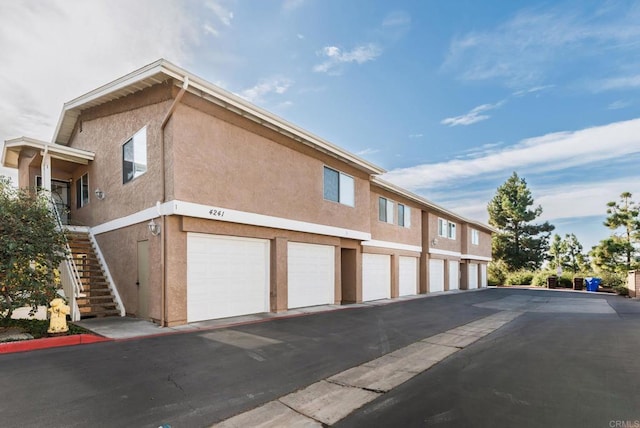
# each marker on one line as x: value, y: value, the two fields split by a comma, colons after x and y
x: 613, y: 279
x: 621, y: 290
x: 38, y: 328
x: 519, y: 277
x: 497, y: 272
x: 540, y: 278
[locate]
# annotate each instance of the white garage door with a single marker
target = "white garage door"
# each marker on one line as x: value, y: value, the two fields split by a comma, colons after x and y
x: 226, y: 276
x: 454, y: 275
x: 473, y: 276
x: 436, y: 275
x: 408, y: 280
x: 376, y: 277
x: 483, y: 275
x: 311, y: 273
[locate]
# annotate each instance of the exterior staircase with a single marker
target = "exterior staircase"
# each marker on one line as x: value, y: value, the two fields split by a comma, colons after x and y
x: 96, y: 298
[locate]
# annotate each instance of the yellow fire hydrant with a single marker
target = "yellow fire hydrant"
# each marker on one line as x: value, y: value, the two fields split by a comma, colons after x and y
x: 58, y: 319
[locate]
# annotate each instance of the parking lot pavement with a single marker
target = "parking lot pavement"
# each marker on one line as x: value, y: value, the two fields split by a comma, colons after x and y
x: 563, y: 363
x: 549, y: 363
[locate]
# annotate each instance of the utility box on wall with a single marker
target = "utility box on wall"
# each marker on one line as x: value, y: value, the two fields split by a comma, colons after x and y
x: 633, y: 283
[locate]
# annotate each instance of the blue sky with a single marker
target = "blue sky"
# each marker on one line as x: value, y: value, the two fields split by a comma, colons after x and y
x: 450, y: 97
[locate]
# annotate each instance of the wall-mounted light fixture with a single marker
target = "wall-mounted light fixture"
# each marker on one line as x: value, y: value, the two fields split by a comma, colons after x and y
x: 154, y: 228
x: 434, y: 242
x: 100, y: 194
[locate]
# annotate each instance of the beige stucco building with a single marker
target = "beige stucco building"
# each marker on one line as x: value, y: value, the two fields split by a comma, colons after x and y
x: 200, y: 205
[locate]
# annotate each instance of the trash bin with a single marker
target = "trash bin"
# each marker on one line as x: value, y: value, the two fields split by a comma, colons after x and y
x: 552, y: 281
x: 592, y: 283
x: 578, y: 283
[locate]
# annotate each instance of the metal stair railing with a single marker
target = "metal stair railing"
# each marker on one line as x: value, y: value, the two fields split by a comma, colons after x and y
x: 69, y: 275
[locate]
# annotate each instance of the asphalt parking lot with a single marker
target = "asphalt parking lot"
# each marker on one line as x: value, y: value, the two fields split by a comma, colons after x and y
x: 569, y: 359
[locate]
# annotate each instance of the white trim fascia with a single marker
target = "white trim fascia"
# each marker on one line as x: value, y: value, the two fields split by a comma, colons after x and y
x: 210, y: 212
x: 474, y: 257
x: 391, y: 245
x: 217, y: 95
x: 445, y: 252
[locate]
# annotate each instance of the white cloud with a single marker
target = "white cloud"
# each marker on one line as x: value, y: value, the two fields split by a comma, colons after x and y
x: 208, y: 29
x: 276, y: 85
x: 397, y: 19
x: 289, y: 5
x: 336, y: 56
x: 221, y: 12
x: 474, y: 116
x: 537, y: 43
x: 367, y: 151
x: 619, y: 104
x: 551, y: 152
x: 57, y: 50
x: 532, y: 90
x: 414, y: 136
x: 621, y: 82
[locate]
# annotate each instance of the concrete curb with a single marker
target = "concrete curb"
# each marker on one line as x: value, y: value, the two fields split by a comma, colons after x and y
x: 50, y: 342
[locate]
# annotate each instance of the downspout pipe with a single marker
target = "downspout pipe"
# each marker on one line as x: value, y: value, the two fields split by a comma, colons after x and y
x: 163, y: 223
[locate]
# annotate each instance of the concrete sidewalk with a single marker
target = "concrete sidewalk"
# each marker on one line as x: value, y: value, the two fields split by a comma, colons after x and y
x: 120, y: 328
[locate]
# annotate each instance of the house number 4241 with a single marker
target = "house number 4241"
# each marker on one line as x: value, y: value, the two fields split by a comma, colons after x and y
x: 216, y: 213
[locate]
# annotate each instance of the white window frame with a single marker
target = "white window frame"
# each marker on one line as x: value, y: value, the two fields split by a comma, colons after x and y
x: 346, y: 188
x: 405, y: 219
x: 475, y: 237
x: 82, y: 191
x: 140, y: 158
x: 388, y: 210
x: 442, y: 228
x: 451, y: 230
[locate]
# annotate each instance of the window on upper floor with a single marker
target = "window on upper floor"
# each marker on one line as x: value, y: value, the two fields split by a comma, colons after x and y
x: 452, y: 230
x: 404, y: 215
x: 338, y: 187
x: 475, y: 237
x: 134, y: 156
x: 82, y: 191
x: 385, y: 210
x: 442, y: 228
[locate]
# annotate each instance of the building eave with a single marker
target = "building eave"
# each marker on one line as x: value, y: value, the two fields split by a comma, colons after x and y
x: 425, y: 203
x: 13, y: 148
x: 161, y: 70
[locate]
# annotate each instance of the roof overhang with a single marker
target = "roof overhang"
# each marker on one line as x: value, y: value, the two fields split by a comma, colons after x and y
x: 162, y: 70
x: 423, y: 202
x: 13, y: 148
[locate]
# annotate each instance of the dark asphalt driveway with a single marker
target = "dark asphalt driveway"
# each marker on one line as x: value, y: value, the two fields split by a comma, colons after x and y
x: 543, y: 369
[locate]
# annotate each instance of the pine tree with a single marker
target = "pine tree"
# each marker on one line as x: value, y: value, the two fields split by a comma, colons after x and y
x: 519, y: 242
x: 624, y: 216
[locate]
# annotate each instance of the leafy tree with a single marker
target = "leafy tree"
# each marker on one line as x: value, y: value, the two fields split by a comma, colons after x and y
x: 519, y: 242
x: 31, y: 248
x: 557, y: 252
x: 575, y: 259
x: 610, y: 255
x: 567, y: 253
x: 624, y: 217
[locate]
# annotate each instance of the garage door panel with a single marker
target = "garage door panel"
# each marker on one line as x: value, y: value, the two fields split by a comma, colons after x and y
x: 226, y: 276
x: 311, y: 275
x: 473, y: 276
x: 436, y: 275
x: 454, y: 275
x: 483, y: 275
x: 376, y: 277
x: 408, y: 280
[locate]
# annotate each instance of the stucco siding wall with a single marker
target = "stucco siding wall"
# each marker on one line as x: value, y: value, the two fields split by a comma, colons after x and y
x: 444, y: 243
x: 392, y: 232
x: 233, y: 163
x: 103, y: 131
